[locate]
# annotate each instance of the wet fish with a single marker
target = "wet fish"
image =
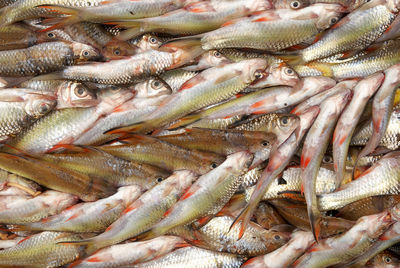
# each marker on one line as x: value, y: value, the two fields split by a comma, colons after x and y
x: 44, y: 58
x: 341, y: 249
x: 380, y: 179
x: 176, y: 78
x: 285, y: 255
x: 149, y: 150
x: 267, y: 216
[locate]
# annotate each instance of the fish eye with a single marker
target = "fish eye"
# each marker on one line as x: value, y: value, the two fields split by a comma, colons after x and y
x: 277, y: 237
x: 85, y: 53
x: 117, y: 52
x: 327, y: 159
x: 153, y: 40
x: 284, y: 120
x: 265, y: 143
x: 51, y: 35
x: 282, y: 181
x: 288, y: 71
x: 258, y: 75
x: 81, y: 92
x: 295, y: 4
x: 159, y: 179
x: 216, y: 54
x: 387, y: 259
x: 214, y: 165
x: 156, y: 84
x: 44, y: 108
x: 333, y: 20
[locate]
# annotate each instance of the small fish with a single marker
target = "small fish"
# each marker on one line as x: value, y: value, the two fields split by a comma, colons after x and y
x: 36, y: 208
x: 355, y: 31
x: 267, y: 217
x: 392, y: 32
x: 343, y: 248
x: 385, y: 259
x: 215, y: 235
x: 208, y: 87
x: 20, y: 108
x: 210, y: 193
x: 285, y: 255
x: 149, y: 150
x: 176, y: 78
x: 195, y: 257
x: 89, y: 216
x: 274, y: 30
x: 41, y: 250
x: 315, y: 145
x: 211, y: 58
x: 142, y: 213
x: 381, y: 179
x: 44, y: 58
x: 131, y: 253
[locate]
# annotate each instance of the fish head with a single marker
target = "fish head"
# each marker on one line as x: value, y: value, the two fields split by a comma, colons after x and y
x: 274, y: 239
x: 114, y: 96
x: 148, y: 42
x: 393, y: 5
x: 314, y: 84
x: 328, y: 15
x: 212, y: 58
x: 58, y: 200
x: 257, y: 5
x: 210, y: 162
x: 262, y: 147
x: 385, y: 259
x: 75, y: 94
x: 239, y: 162
x: 291, y: 4
x: 52, y: 36
x: 374, y: 225
x: 395, y: 212
x: 180, y: 179
x: 182, y: 51
x: 392, y: 75
x: 83, y: 52
x: 152, y: 87
x: 284, y: 125
x: 39, y: 105
x: 118, y: 50
x: 253, y: 70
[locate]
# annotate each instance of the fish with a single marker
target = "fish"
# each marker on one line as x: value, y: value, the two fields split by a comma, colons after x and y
x: 89, y: 216
x: 150, y: 150
x: 315, y: 145
x: 291, y: 180
x: 56, y: 128
x: 215, y: 235
x: 296, y: 214
x: 389, y: 139
x: 273, y: 30
x: 193, y: 18
x: 293, y: 4
x: 262, y: 101
x: 208, y: 87
x: 210, y: 193
x: 132, y: 253
x: 143, y: 213
x: 9, y: 180
x: 72, y: 94
x: 44, y: 58
x: 55, y: 177
x: 194, y: 257
x: 356, y: 31
x: 380, y: 179
x: 175, y: 78
x: 343, y: 248
x: 384, y: 259
x: 392, y: 32
x: 349, y: 118
x: 225, y: 142
x: 34, y: 209
x: 211, y: 58
x: 284, y: 256
x: 267, y: 217
x: 41, y: 250
x: 20, y: 108
x: 131, y: 69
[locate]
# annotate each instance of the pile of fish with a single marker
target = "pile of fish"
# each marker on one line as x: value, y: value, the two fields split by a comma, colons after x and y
x: 200, y: 133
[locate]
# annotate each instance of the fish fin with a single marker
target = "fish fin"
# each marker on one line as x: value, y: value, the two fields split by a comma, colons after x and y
x: 292, y: 59
x: 192, y: 82
x: 51, y: 76
x: 199, y: 7
x: 182, y: 245
x: 68, y: 148
x: 184, y: 121
x: 244, y: 219
x: 75, y: 15
x: 134, y: 30
x: 147, y: 235
x: 292, y: 195
x: 323, y: 67
x: 61, y: 144
x: 315, y: 224
x: 203, y: 221
x: 127, y: 129
x: 19, y: 151
x: 24, y: 188
x: 195, y: 39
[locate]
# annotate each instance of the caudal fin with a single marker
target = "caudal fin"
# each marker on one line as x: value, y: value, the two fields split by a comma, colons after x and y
x: 74, y: 15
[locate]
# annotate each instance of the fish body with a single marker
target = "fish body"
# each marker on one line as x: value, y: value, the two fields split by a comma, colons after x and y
x: 267, y: 216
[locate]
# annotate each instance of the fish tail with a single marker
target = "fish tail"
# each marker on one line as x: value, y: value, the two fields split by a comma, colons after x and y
x: 135, y: 28
x: 74, y: 15
x: 292, y: 59
x: 244, y: 219
x: 184, y: 121
x: 315, y: 220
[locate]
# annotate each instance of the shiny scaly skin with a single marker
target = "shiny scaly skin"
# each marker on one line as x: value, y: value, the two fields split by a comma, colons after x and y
x: 41, y: 250
x: 42, y: 85
x: 219, y: 123
x: 207, y: 195
x: 356, y: 31
x: 89, y: 216
x: 126, y: 254
x: 325, y: 183
x: 285, y: 255
x: 391, y: 137
x: 177, y: 77
x: 196, y: 258
x: 271, y: 30
x: 39, y: 59
x: 349, y: 119
x: 381, y: 179
x: 145, y: 211
x: 27, y: 9
x: 215, y: 235
x: 170, y: 157
x: 343, y: 248
x: 34, y: 209
x: 89, y: 33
